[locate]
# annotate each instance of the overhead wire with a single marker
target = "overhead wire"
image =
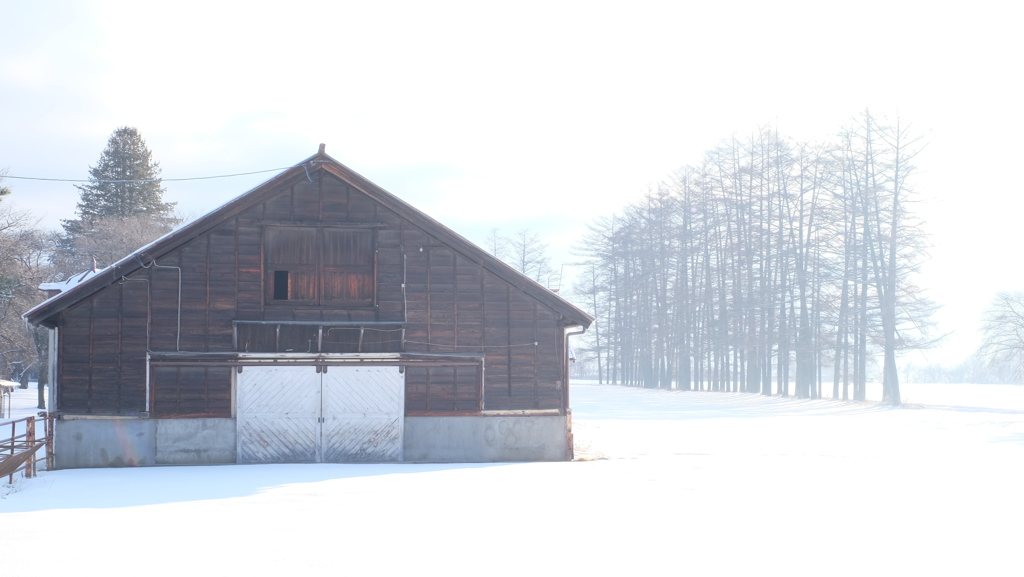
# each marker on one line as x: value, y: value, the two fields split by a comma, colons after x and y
x: 3, y: 176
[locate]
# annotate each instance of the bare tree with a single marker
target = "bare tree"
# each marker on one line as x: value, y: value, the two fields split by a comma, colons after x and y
x: 104, y: 242
x: 1003, y: 333
x: 590, y: 288
x: 894, y: 241
x: 23, y: 266
x: 496, y: 244
x: 528, y: 255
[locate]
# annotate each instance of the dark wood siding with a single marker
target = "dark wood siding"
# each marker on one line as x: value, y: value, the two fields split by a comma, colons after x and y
x: 191, y: 391
x: 102, y: 364
x: 442, y: 389
x: 457, y: 306
x: 192, y: 295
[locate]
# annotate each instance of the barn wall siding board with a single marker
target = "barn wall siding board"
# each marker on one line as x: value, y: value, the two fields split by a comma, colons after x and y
x: 280, y: 205
x: 306, y: 199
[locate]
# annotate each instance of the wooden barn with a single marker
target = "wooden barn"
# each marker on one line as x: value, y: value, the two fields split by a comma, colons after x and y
x: 315, y: 318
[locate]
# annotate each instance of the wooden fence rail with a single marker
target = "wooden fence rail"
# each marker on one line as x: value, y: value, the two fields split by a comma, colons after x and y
x: 18, y: 450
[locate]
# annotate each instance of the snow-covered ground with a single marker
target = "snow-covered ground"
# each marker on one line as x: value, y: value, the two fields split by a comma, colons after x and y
x: 674, y: 483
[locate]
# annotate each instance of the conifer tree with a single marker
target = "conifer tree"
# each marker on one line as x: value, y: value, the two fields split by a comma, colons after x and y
x: 124, y: 183
x: 121, y: 207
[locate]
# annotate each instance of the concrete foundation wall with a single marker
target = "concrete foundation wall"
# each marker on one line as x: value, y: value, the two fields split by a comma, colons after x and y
x: 195, y: 441
x: 85, y: 443
x: 104, y: 443
x: 485, y: 439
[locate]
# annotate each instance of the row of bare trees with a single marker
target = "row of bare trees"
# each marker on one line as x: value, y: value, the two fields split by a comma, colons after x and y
x: 771, y: 267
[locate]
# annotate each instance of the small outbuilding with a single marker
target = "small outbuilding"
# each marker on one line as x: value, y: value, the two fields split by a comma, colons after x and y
x: 315, y: 318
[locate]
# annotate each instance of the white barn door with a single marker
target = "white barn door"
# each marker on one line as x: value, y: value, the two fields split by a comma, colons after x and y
x: 297, y: 415
x: 363, y: 414
x: 278, y: 413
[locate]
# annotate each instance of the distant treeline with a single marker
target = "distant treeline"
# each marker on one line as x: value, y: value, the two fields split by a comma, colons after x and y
x: 769, y: 262
x: 975, y: 369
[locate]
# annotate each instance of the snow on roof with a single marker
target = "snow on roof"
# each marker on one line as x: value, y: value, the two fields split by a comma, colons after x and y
x: 62, y: 287
x: 75, y: 280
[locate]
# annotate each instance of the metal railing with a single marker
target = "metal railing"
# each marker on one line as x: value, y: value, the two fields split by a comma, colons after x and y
x: 19, y: 448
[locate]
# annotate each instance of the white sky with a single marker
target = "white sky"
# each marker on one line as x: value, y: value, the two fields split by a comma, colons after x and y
x: 542, y: 115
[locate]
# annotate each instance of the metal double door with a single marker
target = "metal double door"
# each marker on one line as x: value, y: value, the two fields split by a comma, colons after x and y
x: 301, y: 415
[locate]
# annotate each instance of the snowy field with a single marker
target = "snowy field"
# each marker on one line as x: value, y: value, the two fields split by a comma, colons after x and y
x: 679, y: 483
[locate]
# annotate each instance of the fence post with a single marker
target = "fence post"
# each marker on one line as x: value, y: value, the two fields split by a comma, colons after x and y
x: 14, y: 429
x: 48, y: 424
x: 30, y: 441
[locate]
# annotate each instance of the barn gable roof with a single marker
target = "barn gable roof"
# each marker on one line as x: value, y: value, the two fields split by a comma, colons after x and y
x: 46, y: 312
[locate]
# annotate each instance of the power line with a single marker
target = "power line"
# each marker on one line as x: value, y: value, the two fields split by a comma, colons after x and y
x: 3, y: 176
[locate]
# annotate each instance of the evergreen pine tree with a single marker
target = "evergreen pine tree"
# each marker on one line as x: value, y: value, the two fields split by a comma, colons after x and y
x: 121, y: 207
x: 125, y: 182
